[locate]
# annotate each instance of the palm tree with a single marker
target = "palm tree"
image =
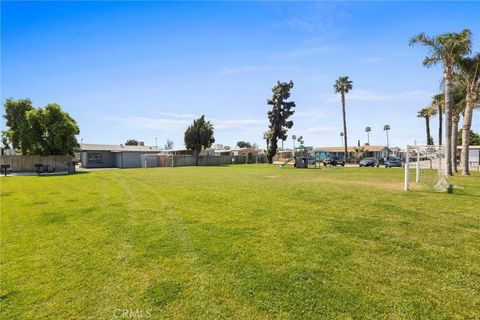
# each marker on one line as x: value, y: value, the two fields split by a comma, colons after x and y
x: 300, y: 140
x: 426, y: 113
x: 266, y: 136
x: 367, y: 130
x: 447, y: 48
x: 386, y: 128
x: 359, y: 152
x: 469, y: 77
x: 459, y: 97
x: 343, y: 85
x: 438, y: 104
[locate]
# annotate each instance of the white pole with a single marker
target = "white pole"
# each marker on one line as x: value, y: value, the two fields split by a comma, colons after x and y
x: 407, y: 167
x: 445, y: 164
x: 417, y: 173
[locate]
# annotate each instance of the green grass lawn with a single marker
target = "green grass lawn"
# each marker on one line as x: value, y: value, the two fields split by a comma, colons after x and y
x: 245, y: 242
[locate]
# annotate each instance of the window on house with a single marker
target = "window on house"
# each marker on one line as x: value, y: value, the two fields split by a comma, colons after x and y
x: 95, y: 157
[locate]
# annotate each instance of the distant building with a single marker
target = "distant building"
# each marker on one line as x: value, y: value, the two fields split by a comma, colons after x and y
x: 248, y: 152
x: 473, y: 155
x: 223, y: 152
x: 396, y: 152
x: 113, y: 156
x: 178, y: 152
x: 187, y: 152
x: 379, y: 152
x: 283, y: 155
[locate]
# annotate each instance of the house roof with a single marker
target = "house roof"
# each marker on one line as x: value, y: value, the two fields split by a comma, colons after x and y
x: 174, y: 150
x: 244, y: 149
x: 350, y: 149
x: 117, y: 148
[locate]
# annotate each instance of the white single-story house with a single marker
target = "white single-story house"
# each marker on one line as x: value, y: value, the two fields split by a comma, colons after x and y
x: 223, y: 152
x: 113, y: 156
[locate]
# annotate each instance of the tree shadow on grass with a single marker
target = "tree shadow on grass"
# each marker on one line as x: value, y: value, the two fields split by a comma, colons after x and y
x: 44, y: 175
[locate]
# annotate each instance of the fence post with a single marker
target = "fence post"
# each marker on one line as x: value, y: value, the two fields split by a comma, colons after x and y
x: 407, y: 167
x: 417, y: 167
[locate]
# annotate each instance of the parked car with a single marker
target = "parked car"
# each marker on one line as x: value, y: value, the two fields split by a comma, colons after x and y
x: 312, y: 161
x: 393, y: 162
x: 369, y: 162
x: 334, y: 161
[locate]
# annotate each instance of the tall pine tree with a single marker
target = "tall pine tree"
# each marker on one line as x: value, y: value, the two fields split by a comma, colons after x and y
x: 198, y: 136
x: 278, y: 116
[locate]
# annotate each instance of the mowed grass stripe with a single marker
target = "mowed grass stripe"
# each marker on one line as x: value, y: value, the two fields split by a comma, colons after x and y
x: 238, y: 242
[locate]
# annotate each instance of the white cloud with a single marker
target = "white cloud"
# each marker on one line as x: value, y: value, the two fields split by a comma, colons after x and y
x: 232, y: 70
x: 321, y: 130
x: 321, y: 18
x: 149, y: 123
x: 311, y: 113
x: 177, y: 115
x: 367, y: 95
x: 180, y: 122
x: 301, y: 24
x: 375, y: 60
x: 221, y: 124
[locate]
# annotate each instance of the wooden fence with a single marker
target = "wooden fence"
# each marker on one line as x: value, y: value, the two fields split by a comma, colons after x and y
x: 188, y: 160
x: 27, y: 163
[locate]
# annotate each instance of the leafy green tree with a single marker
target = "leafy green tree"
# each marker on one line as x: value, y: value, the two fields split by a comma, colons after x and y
x: 473, y: 138
x: 37, y: 132
x: 278, y: 116
x: 61, y: 130
x: 343, y: 85
x: 469, y: 78
x: 244, y: 144
x: 132, y: 142
x: 6, y: 144
x: 17, y: 132
x: 448, y: 49
x: 42, y: 131
x: 169, y: 145
x: 198, y: 136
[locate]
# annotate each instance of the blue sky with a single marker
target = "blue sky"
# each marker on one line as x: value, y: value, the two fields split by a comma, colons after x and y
x: 146, y: 69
